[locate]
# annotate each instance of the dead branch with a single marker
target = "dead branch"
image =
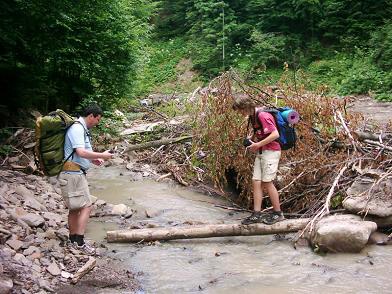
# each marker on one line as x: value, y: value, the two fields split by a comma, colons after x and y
x: 88, y: 266
x: 157, y: 143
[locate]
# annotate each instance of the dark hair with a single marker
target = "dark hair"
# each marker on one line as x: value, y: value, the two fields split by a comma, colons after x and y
x: 93, y: 109
x: 243, y: 102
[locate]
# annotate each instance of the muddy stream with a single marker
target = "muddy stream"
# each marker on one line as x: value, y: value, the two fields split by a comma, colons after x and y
x: 258, y: 264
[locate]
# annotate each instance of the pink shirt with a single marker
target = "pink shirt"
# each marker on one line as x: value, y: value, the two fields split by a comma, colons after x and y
x: 267, y: 127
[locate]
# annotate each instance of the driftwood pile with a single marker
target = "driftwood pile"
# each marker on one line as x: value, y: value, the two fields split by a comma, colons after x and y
x: 335, y: 149
x: 334, y: 145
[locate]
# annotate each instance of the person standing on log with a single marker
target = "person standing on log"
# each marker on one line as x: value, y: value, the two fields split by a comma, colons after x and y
x: 79, y: 155
x: 264, y: 143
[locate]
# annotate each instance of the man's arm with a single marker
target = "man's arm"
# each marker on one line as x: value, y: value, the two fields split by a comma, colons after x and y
x: 91, y: 155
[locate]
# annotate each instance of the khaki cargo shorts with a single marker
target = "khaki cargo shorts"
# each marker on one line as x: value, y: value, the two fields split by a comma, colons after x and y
x: 266, y: 166
x: 75, y: 191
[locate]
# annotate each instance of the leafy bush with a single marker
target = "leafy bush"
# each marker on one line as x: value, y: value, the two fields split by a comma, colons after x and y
x: 381, y: 44
x: 361, y: 78
x: 267, y: 48
x: 159, y: 64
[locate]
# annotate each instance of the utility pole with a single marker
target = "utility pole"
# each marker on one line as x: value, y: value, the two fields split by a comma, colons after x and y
x: 223, y: 33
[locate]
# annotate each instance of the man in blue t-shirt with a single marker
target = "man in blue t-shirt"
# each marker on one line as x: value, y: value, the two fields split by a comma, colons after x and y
x: 79, y: 155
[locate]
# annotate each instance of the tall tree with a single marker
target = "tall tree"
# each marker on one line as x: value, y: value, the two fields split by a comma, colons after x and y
x: 68, y: 51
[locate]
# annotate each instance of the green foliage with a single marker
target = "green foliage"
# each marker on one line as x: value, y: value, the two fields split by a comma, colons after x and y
x: 336, y: 201
x: 381, y: 44
x: 361, y: 78
x: 54, y: 54
x: 5, y: 149
x: 272, y: 32
x: 352, y: 74
x: 267, y: 48
x: 158, y: 65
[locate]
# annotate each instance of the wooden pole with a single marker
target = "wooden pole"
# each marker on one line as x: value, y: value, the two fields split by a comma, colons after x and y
x: 206, y: 231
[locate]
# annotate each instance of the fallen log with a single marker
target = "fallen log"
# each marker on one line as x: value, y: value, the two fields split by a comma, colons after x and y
x: 378, y: 144
x: 157, y: 143
x: 369, y: 136
x: 206, y: 231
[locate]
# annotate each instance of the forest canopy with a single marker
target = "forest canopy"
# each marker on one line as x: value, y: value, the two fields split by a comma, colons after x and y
x: 66, y: 53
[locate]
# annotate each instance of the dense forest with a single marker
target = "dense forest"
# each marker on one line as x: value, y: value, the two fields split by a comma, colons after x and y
x: 67, y: 53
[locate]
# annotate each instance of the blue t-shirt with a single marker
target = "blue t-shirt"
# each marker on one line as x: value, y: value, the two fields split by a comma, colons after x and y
x: 77, y: 136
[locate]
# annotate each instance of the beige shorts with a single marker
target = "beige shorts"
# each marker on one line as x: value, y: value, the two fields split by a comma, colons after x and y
x: 266, y: 166
x: 75, y: 191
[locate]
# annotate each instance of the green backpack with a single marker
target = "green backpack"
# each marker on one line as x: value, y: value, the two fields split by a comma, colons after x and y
x: 50, y: 133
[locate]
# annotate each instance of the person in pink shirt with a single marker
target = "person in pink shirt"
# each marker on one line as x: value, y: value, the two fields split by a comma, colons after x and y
x: 264, y: 143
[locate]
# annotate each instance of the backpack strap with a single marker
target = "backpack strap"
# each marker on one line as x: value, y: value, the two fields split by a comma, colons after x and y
x: 86, y: 134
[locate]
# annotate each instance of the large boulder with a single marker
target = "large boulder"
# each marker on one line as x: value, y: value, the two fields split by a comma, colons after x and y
x: 367, y: 196
x: 342, y: 233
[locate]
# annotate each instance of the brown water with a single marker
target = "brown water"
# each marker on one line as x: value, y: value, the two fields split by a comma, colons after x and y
x: 258, y: 264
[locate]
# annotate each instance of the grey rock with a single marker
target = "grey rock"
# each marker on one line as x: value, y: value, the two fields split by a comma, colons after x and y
x: 66, y: 275
x: 7, y: 252
x: 21, y: 259
x: 45, y: 285
x: 29, y: 186
x: 33, y: 220
x: 382, y: 222
x: 100, y: 202
x: 53, y: 269
x: 34, y: 204
x: 14, y: 244
x: 6, y: 285
x: 342, y: 233
x: 23, y: 191
x: 50, y: 233
x: 31, y: 250
x: 378, y: 238
x: 62, y: 234
x: 365, y: 196
x: 119, y: 209
x: 51, y: 245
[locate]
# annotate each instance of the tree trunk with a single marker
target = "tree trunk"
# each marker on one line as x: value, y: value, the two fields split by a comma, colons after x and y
x: 205, y: 231
x: 158, y: 143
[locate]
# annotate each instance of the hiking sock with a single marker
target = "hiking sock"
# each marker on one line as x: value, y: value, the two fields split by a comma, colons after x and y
x: 79, y: 239
x: 72, y: 238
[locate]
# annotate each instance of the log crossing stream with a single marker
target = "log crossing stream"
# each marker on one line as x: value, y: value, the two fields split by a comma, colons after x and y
x: 244, y: 264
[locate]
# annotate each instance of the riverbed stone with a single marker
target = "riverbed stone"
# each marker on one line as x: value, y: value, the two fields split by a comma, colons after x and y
x: 34, y: 204
x: 57, y: 218
x: 23, y: 191
x: 62, y: 234
x: 33, y: 220
x: 53, y: 269
x: 342, y: 233
x: 119, y: 209
x: 6, y: 285
x: 45, y: 285
x: 368, y: 196
x: 382, y: 222
x: 14, y: 244
x: 31, y: 250
x: 21, y: 259
x: 378, y: 238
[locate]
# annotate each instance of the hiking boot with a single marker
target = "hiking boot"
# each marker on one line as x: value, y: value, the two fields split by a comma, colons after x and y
x: 85, y: 248
x: 255, y: 217
x: 273, y: 217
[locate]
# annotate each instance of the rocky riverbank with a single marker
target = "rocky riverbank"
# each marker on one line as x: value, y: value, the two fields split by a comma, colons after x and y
x: 34, y: 256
